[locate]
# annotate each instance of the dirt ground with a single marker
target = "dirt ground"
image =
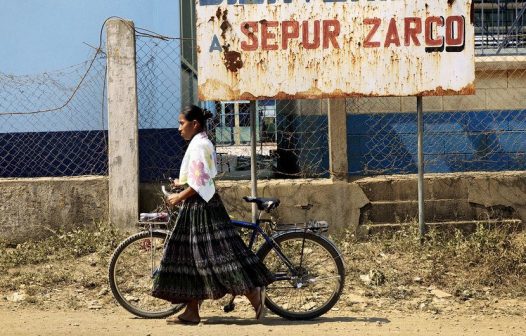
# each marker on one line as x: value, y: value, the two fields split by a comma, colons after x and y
x: 361, y: 317
x: 472, y: 287
x: 118, y: 322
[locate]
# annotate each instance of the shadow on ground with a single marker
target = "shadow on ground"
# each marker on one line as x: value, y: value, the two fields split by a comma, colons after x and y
x: 277, y: 321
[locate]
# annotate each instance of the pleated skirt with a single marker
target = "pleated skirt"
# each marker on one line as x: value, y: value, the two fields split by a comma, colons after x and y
x: 205, y: 258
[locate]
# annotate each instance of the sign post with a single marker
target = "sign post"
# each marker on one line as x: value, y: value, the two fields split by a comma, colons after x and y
x: 420, y: 131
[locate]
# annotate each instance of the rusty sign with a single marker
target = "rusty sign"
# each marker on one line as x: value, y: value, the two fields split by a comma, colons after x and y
x: 288, y: 49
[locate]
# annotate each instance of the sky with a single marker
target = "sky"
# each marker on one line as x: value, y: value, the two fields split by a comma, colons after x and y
x: 43, y: 35
x: 38, y: 37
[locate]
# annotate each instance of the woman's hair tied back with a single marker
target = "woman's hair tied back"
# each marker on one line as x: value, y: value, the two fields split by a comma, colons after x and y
x: 194, y: 112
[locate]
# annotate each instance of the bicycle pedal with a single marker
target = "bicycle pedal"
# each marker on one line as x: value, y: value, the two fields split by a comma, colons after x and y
x: 229, y: 307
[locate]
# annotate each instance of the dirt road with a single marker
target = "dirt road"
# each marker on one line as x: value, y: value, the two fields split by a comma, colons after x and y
x: 118, y: 322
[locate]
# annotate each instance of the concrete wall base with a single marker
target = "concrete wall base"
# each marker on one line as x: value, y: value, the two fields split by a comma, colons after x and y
x: 34, y: 208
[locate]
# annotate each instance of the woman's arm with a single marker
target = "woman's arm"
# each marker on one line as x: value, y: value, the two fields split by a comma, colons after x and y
x: 179, y: 197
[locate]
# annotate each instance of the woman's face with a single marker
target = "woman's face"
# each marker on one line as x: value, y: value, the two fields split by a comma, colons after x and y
x: 188, y: 129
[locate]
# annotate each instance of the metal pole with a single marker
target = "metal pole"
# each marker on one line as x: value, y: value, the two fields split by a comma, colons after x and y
x: 420, y: 117
x: 253, y: 161
x: 483, y: 29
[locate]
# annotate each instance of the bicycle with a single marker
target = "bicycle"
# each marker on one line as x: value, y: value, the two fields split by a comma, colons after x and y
x: 307, y: 266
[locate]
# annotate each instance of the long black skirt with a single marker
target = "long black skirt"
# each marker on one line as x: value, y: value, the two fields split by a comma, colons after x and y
x: 205, y: 258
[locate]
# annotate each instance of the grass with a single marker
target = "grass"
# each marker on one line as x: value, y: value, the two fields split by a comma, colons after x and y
x: 466, y: 265
x: 59, y: 266
x: 486, y: 263
x: 102, y: 238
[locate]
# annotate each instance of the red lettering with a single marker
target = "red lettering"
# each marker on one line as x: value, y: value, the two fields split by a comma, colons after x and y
x: 453, y: 39
x: 249, y: 29
x: 410, y: 33
x: 376, y: 24
x: 316, y: 41
x: 392, y: 35
x: 430, y: 40
x: 267, y: 35
x: 331, y: 30
x: 288, y: 34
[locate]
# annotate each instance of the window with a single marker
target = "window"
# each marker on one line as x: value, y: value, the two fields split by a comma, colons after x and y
x: 229, y: 115
x: 244, y: 114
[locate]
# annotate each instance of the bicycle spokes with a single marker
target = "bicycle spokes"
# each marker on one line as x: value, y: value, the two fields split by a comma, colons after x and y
x: 313, y: 280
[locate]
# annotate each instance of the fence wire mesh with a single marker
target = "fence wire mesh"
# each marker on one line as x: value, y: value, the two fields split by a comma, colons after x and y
x: 291, y: 142
x: 484, y: 132
x: 40, y: 135
x: 54, y: 124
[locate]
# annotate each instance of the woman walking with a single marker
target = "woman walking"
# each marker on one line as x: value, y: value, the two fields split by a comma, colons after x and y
x: 205, y: 258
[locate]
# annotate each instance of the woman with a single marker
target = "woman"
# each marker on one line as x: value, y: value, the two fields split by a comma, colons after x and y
x: 205, y: 258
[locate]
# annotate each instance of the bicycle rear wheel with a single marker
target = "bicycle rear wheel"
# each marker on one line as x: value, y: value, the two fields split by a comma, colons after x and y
x: 316, y: 283
x: 131, y: 271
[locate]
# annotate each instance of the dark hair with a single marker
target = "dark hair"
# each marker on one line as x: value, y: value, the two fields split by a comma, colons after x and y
x: 193, y: 112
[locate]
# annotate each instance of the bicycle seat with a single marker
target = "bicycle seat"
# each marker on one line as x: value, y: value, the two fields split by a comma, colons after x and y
x: 266, y: 204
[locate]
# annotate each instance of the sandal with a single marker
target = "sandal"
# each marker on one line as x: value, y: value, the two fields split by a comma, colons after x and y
x: 180, y: 320
x: 261, y: 310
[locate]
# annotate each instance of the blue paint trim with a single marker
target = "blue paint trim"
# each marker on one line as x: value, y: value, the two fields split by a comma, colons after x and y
x: 50, y: 154
x: 453, y: 142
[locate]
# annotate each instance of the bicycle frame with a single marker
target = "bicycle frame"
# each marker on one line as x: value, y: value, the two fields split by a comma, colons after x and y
x: 256, y: 229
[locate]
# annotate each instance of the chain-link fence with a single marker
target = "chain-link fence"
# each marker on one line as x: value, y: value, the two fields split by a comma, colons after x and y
x: 54, y: 124
x: 160, y: 97
x: 291, y: 142
x: 485, y: 132
x: 50, y: 125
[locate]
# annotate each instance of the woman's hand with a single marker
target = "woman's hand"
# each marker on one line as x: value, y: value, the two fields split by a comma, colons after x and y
x: 174, y: 199
x: 175, y: 183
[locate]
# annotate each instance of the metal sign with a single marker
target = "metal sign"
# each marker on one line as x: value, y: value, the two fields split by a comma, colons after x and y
x: 289, y: 49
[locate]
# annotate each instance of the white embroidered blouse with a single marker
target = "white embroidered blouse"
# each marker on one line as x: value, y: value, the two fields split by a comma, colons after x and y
x: 199, y: 166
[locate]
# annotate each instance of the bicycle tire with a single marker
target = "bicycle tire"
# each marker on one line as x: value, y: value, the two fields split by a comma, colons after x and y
x: 281, y: 304
x: 123, y: 278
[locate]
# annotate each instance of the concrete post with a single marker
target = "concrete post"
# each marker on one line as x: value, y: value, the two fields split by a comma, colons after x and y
x: 337, y: 115
x: 123, y: 131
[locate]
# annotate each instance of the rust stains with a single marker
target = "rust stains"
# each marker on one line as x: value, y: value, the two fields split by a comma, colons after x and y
x: 208, y: 90
x: 439, y: 91
x: 294, y: 71
x: 225, y: 26
x: 233, y: 61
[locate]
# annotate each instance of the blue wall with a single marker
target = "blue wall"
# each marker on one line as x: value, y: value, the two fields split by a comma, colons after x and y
x: 453, y: 142
x: 53, y: 154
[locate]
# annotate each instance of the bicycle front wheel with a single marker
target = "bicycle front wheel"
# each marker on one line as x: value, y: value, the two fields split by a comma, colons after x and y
x: 316, y: 280
x: 131, y: 271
